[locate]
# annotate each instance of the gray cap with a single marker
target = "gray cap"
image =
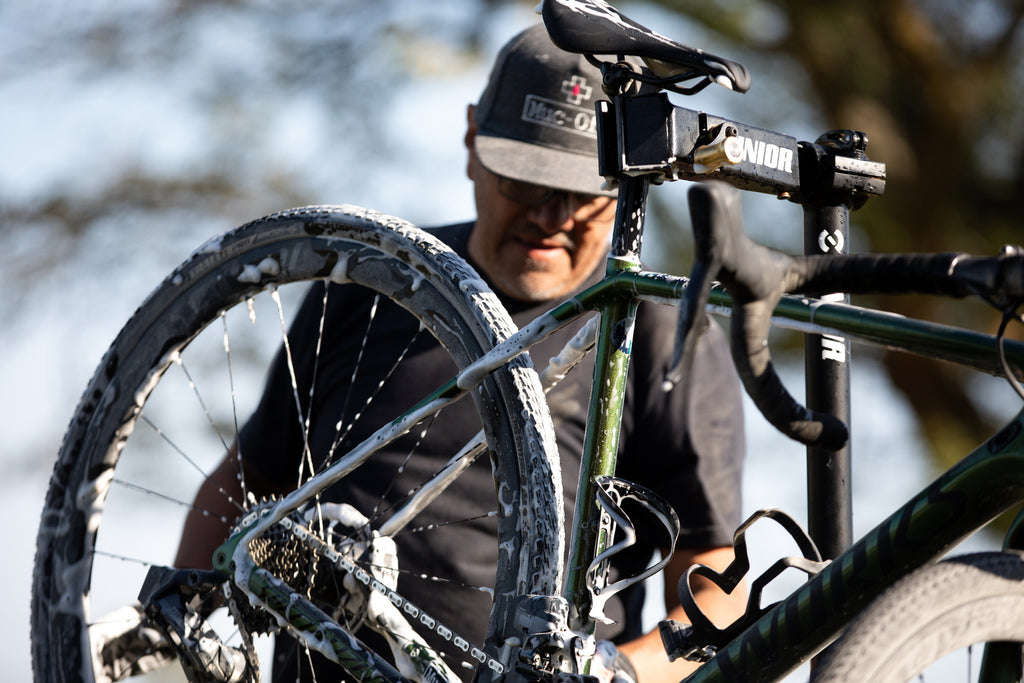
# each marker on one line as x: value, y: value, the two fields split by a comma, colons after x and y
x: 536, y: 120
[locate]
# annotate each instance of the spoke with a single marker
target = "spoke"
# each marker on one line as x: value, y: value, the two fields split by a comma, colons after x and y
x: 429, y: 490
x: 234, y: 402
x: 159, y: 432
x: 396, y: 601
x: 309, y: 660
x: 352, y: 380
x: 334, y: 538
x: 419, y: 497
x: 122, y: 558
x: 202, y: 404
x: 170, y: 442
x: 341, y: 429
x: 307, y: 456
x: 446, y: 581
x: 399, y: 470
x: 439, y: 525
x: 358, y: 455
x: 170, y: 499
x: 306, y: 420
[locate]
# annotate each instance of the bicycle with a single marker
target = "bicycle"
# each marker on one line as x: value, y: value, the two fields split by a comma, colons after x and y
x: 320, y: 571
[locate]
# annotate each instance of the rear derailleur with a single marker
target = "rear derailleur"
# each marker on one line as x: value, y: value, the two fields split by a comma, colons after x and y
x: 178, y: 602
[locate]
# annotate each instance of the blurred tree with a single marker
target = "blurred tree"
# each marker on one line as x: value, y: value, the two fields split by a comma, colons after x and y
x: 150, y: 116
x: 938, y: 85
x: 280, y: 103
x: 245, y: 78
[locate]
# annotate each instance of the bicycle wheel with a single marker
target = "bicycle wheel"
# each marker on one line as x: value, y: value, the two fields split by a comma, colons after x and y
x: 938, y: 610
x: 169, y: 396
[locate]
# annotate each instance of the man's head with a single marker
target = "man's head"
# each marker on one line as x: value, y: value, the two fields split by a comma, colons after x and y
x: 543, y: 218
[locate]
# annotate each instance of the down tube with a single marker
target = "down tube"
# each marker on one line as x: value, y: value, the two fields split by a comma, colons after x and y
x: 986, y: 483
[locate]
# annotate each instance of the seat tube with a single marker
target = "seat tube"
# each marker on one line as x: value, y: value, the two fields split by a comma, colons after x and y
x: 611, y: 365
x: 630, y: 213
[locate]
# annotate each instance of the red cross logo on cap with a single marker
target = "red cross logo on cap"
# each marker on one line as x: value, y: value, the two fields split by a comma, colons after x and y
x: 576, y: 90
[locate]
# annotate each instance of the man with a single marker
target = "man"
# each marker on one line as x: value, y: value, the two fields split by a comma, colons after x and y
x: 541, y: 234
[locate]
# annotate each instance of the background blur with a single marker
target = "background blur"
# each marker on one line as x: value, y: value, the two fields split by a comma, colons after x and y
x: 132, y: 131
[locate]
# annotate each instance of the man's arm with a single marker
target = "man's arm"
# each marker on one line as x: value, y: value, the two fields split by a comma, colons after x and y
x: 218, y: 503
x: 647, y: 653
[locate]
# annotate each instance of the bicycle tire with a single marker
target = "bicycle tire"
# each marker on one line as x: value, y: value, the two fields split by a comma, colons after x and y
x: 936, y: 610
x: 384, y: 254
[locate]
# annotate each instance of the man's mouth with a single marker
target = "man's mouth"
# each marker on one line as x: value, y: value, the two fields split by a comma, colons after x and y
x: 559, y: 240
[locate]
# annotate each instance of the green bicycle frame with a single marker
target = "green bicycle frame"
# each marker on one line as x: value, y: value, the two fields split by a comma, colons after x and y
x: 986, y: 483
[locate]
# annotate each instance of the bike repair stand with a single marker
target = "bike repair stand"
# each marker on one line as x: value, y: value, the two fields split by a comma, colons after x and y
x: 833, y: 175
x: 648, y: 135
x: 829, y: 178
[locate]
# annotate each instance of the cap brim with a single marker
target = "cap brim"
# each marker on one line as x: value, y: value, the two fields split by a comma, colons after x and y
x: 531, y: 163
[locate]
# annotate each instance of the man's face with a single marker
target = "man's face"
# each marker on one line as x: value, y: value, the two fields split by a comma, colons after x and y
x: 535, y: 250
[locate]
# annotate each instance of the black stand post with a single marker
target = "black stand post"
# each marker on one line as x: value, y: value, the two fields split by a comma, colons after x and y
x: 827, y: 373
x: 827, y: 358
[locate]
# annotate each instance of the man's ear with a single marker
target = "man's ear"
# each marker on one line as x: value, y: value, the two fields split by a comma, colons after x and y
x: 470, y: 126
x: 470, y: 138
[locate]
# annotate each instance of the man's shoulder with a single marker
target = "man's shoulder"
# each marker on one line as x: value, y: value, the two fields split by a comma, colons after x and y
x: 455, y: 235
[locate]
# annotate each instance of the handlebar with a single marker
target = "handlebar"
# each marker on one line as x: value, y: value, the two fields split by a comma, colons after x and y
x: 757, y: 277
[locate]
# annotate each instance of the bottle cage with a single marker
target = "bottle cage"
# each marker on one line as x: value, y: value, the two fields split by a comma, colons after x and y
x: 700, y: 640
x: 612, y: 494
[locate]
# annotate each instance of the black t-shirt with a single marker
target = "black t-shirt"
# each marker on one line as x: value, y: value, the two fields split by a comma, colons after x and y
x: 686, y: 445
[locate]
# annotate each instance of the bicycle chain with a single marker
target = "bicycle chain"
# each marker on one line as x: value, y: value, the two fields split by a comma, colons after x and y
x: 340, y: 562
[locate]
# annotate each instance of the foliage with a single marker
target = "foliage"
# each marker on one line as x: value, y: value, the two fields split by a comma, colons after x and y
x: 938, y: 85
x: 230, y: 109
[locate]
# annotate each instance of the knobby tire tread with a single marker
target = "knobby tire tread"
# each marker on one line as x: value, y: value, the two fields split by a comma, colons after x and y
x: 307, y: 244
x: 939, y: 608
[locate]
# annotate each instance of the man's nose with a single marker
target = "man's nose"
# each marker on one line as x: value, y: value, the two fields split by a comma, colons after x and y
x: 553, y: 215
